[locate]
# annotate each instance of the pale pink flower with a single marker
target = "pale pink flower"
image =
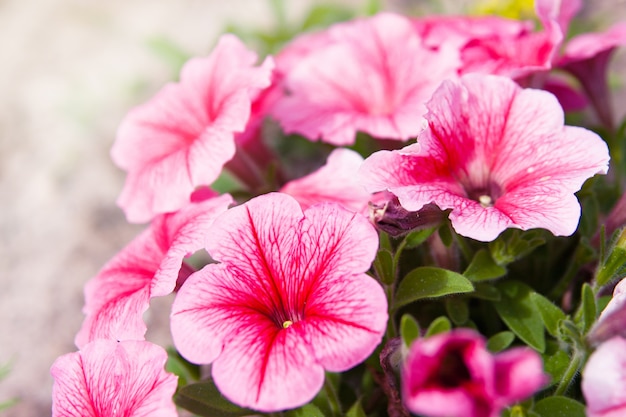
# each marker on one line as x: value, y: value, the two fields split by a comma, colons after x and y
x: 453, y: 374
x: 289, y: 300
x: 612, y: 318
x: 497, y: 156
x: 108, y: 378
x: 147, y: 267
x: 493, y: 45
x: 182, y: 138
x: 371, y: 75
x: 604, y: 380
x: 335, y: 182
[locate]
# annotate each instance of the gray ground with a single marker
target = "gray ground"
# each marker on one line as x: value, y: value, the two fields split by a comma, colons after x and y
x: 69, y: 71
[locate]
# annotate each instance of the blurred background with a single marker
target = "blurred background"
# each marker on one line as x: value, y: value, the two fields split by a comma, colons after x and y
x: 69, y: 72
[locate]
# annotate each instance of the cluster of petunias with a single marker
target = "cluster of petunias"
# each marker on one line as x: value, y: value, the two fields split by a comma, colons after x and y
x: 287, y: 296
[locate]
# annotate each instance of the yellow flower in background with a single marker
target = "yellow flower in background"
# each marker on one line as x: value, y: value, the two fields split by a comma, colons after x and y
x: 514, y: 9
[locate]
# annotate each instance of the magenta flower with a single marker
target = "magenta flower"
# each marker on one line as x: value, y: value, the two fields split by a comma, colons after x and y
x: 182, y: 138
x: 289, y: 300
x: 147, y: 267
x: 453, y: 374
x: 371, y: 75
x: 108, y: 378
x: 335, y: 182
x: 497, y: 156
x: 604, y: 380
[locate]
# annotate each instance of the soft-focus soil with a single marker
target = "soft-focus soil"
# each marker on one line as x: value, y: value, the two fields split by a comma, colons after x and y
x: 69, y: 71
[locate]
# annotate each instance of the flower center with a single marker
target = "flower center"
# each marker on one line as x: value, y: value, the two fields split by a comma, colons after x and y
x: 287, y: 324
x: 486, y: 195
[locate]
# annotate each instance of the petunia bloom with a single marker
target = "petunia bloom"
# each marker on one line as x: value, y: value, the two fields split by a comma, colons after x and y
x: 182, y: 138
x: 289, y: 300
x: 149, y: 266
x: 496, y: 155
x: 604, y: 380
x: 370, y: 75
x: 336, y: 181
x: 453, y: 374
x: 611, y: 320
x: 108, y: 378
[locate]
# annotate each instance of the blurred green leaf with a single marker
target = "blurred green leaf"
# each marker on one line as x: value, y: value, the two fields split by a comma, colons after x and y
x: 558, y: 406
x: 416, y: 238
x: 445, y: 234
x: 409, y: 329
x: 430, y: 282
x: 550, y: 314
x: 308, y: 410
x: 555, y: 361
x: 383, y: 265
x: 186, y: 371
x: 204, y: 399
x: 483, y: 267
x: 439, y: 325
x: 356, y: 410
x: 323, y: 15
x: 587, y: 308
x: 514, y: 244
x: 171, y: 53
x: 457, y: 310
x: 486, y: 291
x: 500, y: 341
x: 518, y: 311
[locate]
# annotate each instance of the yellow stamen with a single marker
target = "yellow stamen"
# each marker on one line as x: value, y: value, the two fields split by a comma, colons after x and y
x: 287, y: 324
x: 485, y: 201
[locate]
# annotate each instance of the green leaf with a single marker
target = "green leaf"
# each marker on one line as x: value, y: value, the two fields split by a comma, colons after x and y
x: 515, y: 244
x: 457, y: 310
x: 445, y: 234
x: 518, y: 311
x: 550, y: 314
x: 308, y: 410
x: 204, y: 399
x: 177, y: 365
x: 409, y: 329
x: 416, y: 238
x: 500, y: 341
x: 356, y: 410
x: 486, y: 291
x: 558, y: 406
x: 614, y: 265
x: 383, y: 265
x: 439, y: 325
x: 555, y: 362
x: 430, y: 282
x: 483, y: 267
x: 587, y: 308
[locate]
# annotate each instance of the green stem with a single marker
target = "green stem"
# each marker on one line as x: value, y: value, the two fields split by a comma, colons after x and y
x: 333, y: 398
x: 570, y: 373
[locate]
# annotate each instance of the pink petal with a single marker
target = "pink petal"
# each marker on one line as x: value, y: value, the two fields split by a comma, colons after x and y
x: 604, y: 380
x: 588, y: 45
x: 268, y: 369
x: 519, y: 374
x: 183, y: 136
x: 108, y: 378
x: 117, y: 297
x: 373, y: 77
x: 336, y: 181
x: 560, y: 11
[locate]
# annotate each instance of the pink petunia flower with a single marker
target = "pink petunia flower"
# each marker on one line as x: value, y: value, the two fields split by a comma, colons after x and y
x: 336, y: 182
x: 604, y: 380
x: 182, y: 138
x: 453, y: 374
x: 495, y: 154
x: 493, y: 45
x: 289, y: 300
x: 147, y: 267
x: 108, y: 378
x: 370, y: 75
